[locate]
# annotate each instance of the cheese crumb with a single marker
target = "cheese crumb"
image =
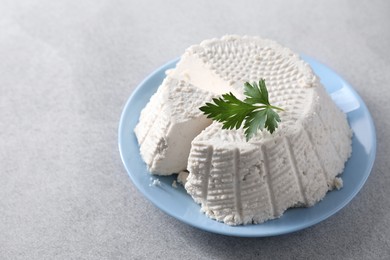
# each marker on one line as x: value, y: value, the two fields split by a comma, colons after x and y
x: 182, y: 177
x: 338, y: 183
x: 155, y: 182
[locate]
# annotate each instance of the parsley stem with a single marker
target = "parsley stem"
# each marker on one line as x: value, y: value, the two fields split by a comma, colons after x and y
x: 270, y: 106
x: 277, y: 108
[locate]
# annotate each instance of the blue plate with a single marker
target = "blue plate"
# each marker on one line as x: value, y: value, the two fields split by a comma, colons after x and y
x: 177, y: 203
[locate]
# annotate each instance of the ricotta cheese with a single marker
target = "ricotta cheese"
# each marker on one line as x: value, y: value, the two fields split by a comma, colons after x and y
x: 235, y: 181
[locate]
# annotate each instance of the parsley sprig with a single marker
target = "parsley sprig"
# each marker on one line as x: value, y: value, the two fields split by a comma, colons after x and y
x: 255, y: 111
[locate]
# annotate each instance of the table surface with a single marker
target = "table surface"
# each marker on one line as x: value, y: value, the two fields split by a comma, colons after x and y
x: 68, y: 67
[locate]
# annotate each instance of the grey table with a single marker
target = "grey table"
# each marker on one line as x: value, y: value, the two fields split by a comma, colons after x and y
x: 66, y: 71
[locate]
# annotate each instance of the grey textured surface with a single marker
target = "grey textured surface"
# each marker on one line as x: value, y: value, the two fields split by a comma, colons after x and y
x: 66, y: 71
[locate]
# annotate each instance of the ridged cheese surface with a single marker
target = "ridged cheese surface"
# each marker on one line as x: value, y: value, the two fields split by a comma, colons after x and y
x: 240, y: 182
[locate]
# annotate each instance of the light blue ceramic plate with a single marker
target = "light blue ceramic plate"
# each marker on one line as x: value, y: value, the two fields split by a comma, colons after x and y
x: 177, y: 203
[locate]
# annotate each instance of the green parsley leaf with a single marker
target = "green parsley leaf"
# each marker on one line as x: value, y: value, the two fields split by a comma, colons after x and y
x: 255, y: 111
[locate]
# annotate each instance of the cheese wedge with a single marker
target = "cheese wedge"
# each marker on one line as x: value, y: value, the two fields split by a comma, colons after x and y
x: 168, y: 123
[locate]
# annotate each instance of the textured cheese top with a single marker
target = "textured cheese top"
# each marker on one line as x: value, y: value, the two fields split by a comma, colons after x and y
x: 224, y: 65
x: 241, y: 182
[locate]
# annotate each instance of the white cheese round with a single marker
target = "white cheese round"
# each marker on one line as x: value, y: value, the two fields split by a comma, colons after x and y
x: 236, y: 181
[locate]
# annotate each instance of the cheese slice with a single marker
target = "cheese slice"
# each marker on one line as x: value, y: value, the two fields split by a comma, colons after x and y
x: 235, y: 181
x: 168, y: 123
